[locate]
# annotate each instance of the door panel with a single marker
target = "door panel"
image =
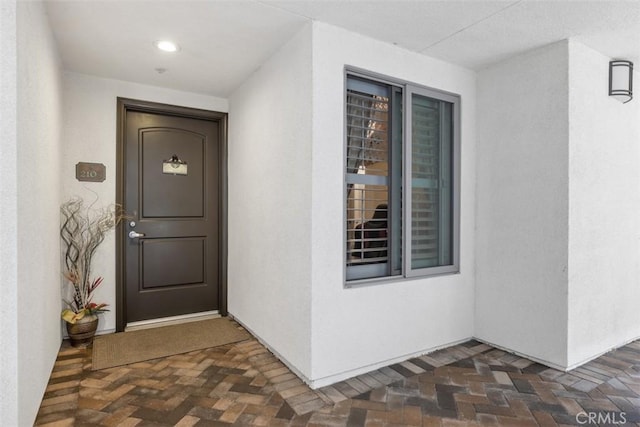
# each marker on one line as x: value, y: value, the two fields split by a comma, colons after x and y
x: 192, y: 256
x: 164, y: 195
x: 173, y: 267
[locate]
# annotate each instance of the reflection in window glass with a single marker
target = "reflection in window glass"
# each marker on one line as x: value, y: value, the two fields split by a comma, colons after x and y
x: 367, y: 173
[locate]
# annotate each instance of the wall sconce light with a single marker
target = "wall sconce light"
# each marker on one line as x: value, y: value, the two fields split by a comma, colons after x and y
x: 621, y: 80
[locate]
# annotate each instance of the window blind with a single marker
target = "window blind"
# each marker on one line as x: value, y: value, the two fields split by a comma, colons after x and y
x: 430, y: 183
x: 367, y: 175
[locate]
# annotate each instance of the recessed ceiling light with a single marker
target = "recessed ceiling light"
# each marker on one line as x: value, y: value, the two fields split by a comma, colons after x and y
x: 166, y: 46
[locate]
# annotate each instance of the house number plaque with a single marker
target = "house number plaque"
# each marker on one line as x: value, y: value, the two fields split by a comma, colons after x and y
x: 92, y: 172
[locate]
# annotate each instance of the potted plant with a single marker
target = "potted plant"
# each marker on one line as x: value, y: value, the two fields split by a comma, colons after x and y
x: 82, y: 231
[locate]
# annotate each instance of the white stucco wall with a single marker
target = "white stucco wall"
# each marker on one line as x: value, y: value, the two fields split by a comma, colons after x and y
x: 8, y: 215
x: 269, y: 268
x: 604, y: 220
x: 89, y: 135
x: 522, y: 204
x: 359, y: 329
x: 36, y: 197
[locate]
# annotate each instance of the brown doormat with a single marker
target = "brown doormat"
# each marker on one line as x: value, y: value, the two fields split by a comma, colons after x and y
x: 124, y: 348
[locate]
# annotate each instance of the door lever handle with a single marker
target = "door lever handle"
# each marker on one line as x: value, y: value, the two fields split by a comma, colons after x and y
x: 135, y: 235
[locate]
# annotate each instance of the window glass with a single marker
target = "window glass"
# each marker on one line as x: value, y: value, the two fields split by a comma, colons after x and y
x: 431, y: 183
x: 401, y: 180
x: 367, y: 177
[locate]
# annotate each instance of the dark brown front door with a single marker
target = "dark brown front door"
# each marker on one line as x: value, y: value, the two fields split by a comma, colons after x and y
x: 171, y: 242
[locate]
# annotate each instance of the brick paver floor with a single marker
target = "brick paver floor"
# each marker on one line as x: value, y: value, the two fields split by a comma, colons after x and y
x: 243, y: 384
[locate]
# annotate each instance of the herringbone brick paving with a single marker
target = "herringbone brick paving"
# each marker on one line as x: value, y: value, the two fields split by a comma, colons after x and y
x: 243, y: 384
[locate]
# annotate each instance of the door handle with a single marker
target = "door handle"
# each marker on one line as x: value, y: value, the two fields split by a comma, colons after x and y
x: 135, y: 235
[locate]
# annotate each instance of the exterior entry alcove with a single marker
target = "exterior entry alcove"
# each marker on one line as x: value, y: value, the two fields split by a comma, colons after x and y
x: 549, y: 227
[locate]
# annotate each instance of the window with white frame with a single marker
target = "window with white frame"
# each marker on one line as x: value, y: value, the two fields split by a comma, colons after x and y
x: 400, y: 136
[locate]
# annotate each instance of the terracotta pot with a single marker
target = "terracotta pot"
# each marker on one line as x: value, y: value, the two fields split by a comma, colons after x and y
x: 82, y: 332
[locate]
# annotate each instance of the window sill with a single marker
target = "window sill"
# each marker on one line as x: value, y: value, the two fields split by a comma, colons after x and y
x: 392, y: 280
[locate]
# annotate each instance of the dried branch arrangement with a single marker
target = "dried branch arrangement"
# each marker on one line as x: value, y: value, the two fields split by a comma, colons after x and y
x: 82, y: 231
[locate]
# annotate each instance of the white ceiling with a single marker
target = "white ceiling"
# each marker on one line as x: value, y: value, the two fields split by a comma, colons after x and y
x: 223, y: 42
